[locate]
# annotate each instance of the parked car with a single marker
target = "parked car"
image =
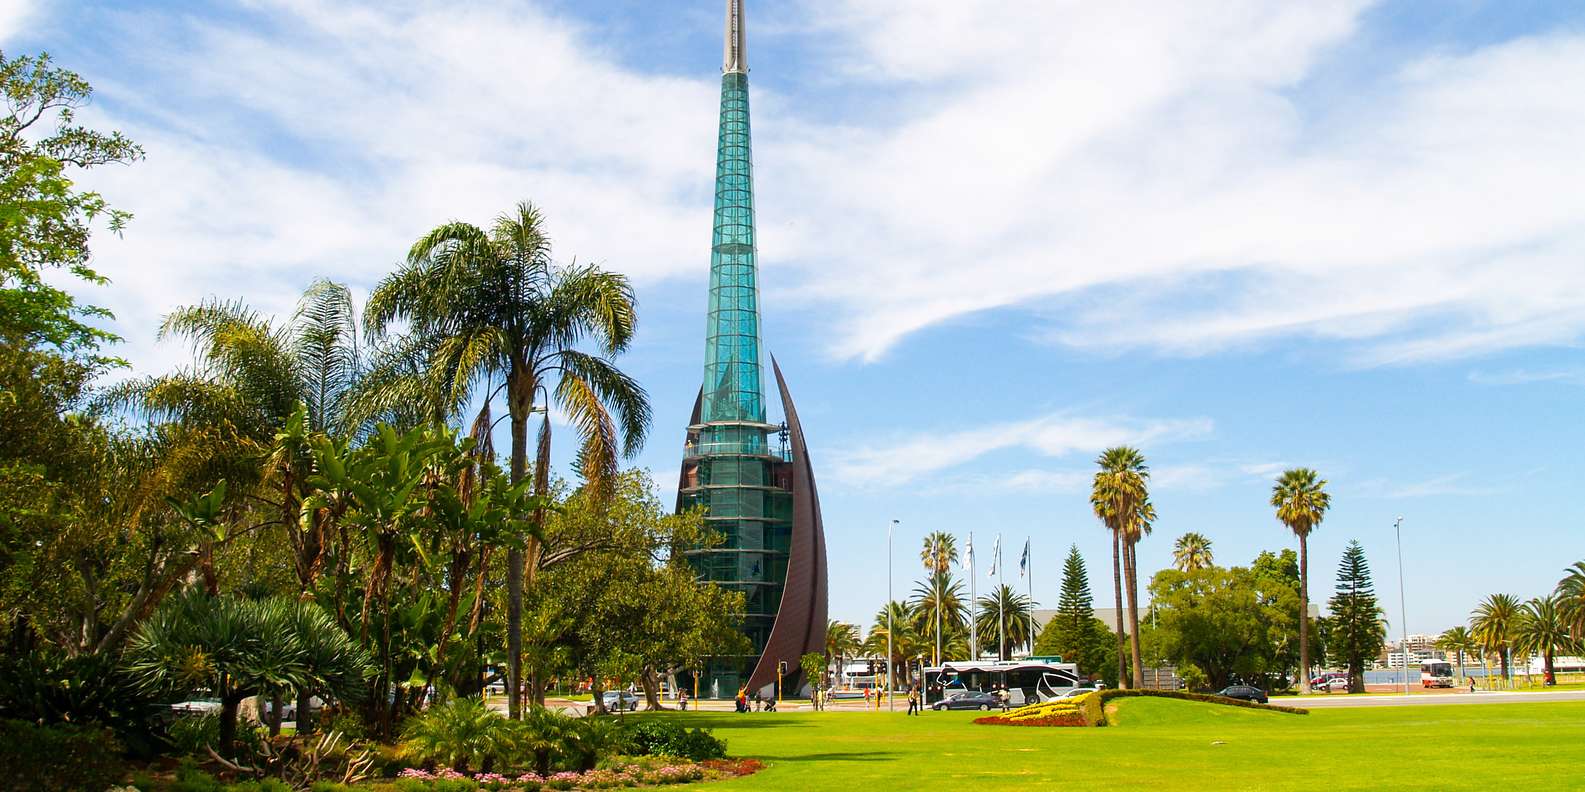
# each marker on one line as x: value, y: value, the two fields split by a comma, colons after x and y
x: 619, y: 700
x: 197, y: 706
x: 1337, y: 683
x: 1244, y: 693
x: 967, y: 700
x: 1076, y: 692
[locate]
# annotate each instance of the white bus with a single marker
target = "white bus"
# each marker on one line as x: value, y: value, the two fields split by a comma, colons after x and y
x: 1436, y: 674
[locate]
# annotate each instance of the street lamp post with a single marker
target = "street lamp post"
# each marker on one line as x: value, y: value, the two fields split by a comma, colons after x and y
x: 1403, y: 614
x: 890, y: 704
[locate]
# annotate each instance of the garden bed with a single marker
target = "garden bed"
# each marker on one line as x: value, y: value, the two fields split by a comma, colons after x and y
x: 1090, y: 710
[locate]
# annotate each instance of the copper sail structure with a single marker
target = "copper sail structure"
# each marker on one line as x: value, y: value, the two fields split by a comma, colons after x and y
x: 752, y: 478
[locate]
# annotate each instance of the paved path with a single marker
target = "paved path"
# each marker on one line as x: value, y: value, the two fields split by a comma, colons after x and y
x: 1480, y: 697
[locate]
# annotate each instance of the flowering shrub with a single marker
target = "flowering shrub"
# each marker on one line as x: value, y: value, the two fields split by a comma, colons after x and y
x: 646, y: 771
x: 1062, y: 712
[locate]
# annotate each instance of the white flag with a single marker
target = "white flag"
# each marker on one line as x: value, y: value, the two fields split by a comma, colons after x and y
x: 996, y: 554
x: 968, y: 556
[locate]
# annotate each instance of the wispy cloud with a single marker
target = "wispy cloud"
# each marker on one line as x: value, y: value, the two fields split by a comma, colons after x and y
x: 1528, y: 377
x: 1055, y: 435
x: 1452, y: 484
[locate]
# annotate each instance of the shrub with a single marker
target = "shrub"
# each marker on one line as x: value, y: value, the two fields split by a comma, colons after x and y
x: 666, y: 737
x: 462, y: 733
x: 189, y: 735
x: 64, y: 756
x: 48, y: 687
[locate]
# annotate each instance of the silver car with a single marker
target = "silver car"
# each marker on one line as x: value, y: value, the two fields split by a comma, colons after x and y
x: 617, y: 701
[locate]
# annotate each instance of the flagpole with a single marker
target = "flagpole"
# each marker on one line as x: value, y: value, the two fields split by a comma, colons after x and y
x: 974, y: 638
x: 1029, y: 569
x: 1001, y: 611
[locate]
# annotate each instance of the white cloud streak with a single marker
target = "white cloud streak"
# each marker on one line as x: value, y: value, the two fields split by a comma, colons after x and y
x: 1055, y: 435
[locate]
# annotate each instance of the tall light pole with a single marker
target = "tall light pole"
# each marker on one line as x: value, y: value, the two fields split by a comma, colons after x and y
x: 890, y: 704
x: 1403, y: 614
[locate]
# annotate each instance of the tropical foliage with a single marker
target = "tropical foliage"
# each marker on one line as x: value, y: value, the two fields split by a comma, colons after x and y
x: 1493, y: 625
x: 1191, y: 552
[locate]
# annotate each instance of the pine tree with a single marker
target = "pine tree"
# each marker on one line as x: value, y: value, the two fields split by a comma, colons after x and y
x: 1357, y: 631
x: 1075, y: 607
x: 1074, y: 633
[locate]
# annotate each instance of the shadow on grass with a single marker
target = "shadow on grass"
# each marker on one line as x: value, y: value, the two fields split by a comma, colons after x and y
x: 734, y: 721
x: 845, y: 756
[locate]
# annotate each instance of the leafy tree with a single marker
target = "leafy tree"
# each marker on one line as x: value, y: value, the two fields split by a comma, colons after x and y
x: 1493, y: 625
x: 1192, y: 551
x: 1301, y: 501
x: 239, y: 648
x: 1543, y: 631
x: 1212, y: 619
x: 1276, y: 580
x: 813, y: 666
x: 1458, y: 641
x: 1004, y: 612
x: 487, y: 306
x: 1357, y: 631
x: 45, y: 222
x: 1571, y: 596
x: 1121, y: 499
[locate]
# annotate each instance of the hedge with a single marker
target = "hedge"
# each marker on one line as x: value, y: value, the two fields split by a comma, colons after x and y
x: 1090, y: 710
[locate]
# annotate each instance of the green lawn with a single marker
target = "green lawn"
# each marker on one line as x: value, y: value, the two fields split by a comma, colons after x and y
x: 1169, y: 744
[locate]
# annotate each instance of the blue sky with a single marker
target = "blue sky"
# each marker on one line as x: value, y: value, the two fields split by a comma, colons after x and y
x: 996, y: 238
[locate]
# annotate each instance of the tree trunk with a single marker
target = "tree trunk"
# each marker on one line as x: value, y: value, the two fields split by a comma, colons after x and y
x: 651, y: 682
x: 277, y: 704
x: 514, y: 569
x: 1117, y: 586
x: 1130, y: 568
x: 531, y: 544
x: 1304, y: 615
x: 228, y: 723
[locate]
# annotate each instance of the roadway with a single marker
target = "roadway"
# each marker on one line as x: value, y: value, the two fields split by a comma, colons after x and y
x: 1417, y: 699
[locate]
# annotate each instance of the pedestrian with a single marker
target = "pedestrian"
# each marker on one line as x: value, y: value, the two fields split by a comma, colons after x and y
x: 1472, y: 684
x: 682, y: 699
x: 866, y: 698
x: 913, y: 700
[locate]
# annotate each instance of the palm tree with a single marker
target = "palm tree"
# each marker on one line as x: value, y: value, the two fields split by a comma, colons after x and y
x: 1191, y: 552
x: 842, y: 642
x: 939, y: 553
x: 1120, y: 498
x: 1006, y: 610
x: 1493, y: 625
x: 269, y: 387
x: 1458, y: 641
x: 1301, y: 501
x: 490, y: 307
x: 1543, y: 631
x: 905, y: 639
x: 938, y: 603
x: 1571, y: 605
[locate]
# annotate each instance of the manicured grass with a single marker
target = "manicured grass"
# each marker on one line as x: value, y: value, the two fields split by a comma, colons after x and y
x: 1168, y: 744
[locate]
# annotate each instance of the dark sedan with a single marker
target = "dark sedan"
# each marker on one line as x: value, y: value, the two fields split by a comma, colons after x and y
x: 972, y: 700
x: 1244, y: 693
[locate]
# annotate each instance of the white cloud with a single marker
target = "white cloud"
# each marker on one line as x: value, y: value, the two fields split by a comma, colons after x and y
x: 1156, y: 170
x: 1054, y: 435
x: 14, y: 15
x: 1528, y: 377
x: 1136, y: 174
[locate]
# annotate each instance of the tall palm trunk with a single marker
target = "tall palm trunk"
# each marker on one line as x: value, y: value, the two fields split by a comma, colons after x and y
x: 1117, y: 587
x: 531, y: 560
x: 518, y: 406
x: 1130, y: 568
x: 1304, y: 614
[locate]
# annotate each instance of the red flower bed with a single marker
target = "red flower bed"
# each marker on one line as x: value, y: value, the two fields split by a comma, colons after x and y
x: 737, y: 767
